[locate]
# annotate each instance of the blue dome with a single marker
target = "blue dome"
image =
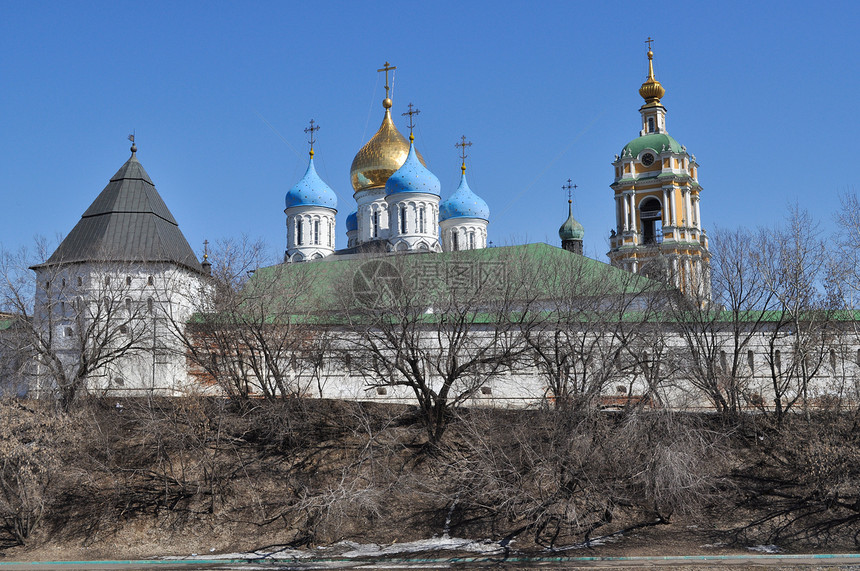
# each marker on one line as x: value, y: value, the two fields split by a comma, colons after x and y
x: 311, y: 191
x: 412, y: 177
x: 352, y: 222
x: 464, y: 204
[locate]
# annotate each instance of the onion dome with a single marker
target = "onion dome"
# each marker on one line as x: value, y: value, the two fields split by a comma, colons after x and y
x: 571, y: 229
x: 311, y: 190
x: 352, y: 222
x: 464, y: 203
x: 658, y: 142
x: 651, y: 91
x: 413, y: 176
x: 383, y: 154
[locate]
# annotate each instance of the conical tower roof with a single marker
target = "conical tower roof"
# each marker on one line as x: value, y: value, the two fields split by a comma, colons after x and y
x: 127, y: 222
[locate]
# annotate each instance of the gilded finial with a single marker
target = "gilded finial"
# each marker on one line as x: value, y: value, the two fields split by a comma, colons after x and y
x: 462, y: 145
x: 386, y: 68
x: 412, y: 113
x: 312, y: 129
x: 651, y: 91
x: 205, y: 250
x: 133, y: 146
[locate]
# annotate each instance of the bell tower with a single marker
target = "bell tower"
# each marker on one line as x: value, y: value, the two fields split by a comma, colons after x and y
x: 658, y: 223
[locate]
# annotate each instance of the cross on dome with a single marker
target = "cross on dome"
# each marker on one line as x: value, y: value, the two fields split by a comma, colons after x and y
x: 569, y: 188
x: 412, y: 113
x: 311, y: 130
x: 462, y: 145
x: 386, y: 68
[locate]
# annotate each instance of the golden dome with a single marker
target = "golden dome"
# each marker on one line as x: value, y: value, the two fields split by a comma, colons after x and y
x: 383, y: 154
x: 651, y: 91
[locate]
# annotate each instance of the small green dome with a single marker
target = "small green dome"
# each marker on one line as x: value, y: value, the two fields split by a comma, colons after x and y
x: 654, y: 141
x: 571, y: 229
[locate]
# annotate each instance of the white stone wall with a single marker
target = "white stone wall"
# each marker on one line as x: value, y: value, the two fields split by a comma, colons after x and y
x: 471, y: 234
x: 310, y: 233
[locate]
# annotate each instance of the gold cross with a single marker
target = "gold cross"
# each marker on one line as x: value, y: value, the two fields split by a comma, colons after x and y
x: 569, y: 188
x: 648, y: 41
x: 463, y: 144
x: 311, y: 130
x: 412, y: 112
x: 386, y: 68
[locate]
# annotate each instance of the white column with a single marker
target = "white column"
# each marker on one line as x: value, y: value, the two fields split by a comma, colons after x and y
x: 626, y: 213
x: 698, y: 215
x: 667, y: 214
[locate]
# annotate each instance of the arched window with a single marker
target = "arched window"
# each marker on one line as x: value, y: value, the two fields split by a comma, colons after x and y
x: 833, y: 359
x: 777, y: 358
x: 300, y: 230
x: 149, y: 304
x: 316, y: 232
x: 422, y: 224
x: 471, y: 240
x: 128, y: 280
x: 128, y: 304
x: 150, y: 280
x: 403, y: 219
x: 650, y: 124
x: 751, y: 360
x: 455, y: 243
x: 107, y: 280
x: 723, y: 363
x: 651, y: 214
x: 330, y: 234
x: 374, y: 229
x: 80, y: 281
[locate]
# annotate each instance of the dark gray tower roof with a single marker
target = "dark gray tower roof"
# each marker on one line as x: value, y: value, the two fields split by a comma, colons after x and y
x: 127, y: 222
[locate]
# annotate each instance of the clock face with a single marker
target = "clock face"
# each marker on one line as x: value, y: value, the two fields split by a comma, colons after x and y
x: 647, y: 159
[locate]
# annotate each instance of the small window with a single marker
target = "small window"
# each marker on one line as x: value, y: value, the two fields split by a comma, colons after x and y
x: 650, y: 124
x: 119, y: 381
x: 374, y: 231
x: 486, y: 391
x: 751, y: 360
x: 858, y: 357
x: 80, y: 281
x: 471, y: 240
x: 382, y: 391
x: 777, y: 358
x: 63, y: 307
x: 421, y: 220
x: 123, y: 329
x: 128, y: 280
x: 455, y: 243
x: 128, y: 304
x: 47, y: 285
x: 213, y: 360
x: 403, y: 219
x: 150, y: 280
x: 68, y: 331
x: 64, y: 282
x: 316, y: 232
x: 149, y: 305
x: 300, y: 230
x: 723, y: 363
x: 833, y: 359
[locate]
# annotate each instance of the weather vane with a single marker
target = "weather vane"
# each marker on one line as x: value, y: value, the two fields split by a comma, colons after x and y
x: 412, y: 113
x: 386, y: 68
x: 312, y: 129
x: 569, y: 187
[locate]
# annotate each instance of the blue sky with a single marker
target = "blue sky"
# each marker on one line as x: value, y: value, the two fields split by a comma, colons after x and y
x: 765, y: 94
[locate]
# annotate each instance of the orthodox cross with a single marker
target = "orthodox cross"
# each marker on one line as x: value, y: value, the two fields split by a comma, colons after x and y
x: 205, y: 250
x: 463, y: 144
x: 311, y: 130
x: 412, y: 113
x: 648, y: 41
x: 569, y: 188
x: 386, y: 68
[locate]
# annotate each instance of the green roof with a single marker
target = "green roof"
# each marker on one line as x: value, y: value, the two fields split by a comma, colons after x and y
x: 532, y: 269
x: 654, y: 141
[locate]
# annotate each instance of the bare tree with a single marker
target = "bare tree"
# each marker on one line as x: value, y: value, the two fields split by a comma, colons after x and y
x: 441, y: 327
x: 78, y: 322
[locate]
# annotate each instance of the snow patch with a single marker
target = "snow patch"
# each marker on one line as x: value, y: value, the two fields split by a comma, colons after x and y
x: 765, y: 548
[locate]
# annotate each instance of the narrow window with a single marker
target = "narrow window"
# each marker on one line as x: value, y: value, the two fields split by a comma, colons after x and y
x: 149, y: 305
x: 375, y: 225
x: 330, y: 234
x: 64, y: 282
x: 128, y: 304
x: 751, y: 360
x: 650, y: 124
x: 858, y: 357
x: 300, y: 231
x: 107, y: 281
x: 455, y: 245
x: 128, y: 280
x: 47, y: 285
x: 63, y: 307
x: 723, y: 363
x: 403, y: 219
x: 80, y: 281
x: 150, y: 280
x: 316, y: 232
x: 471, y: 240
x: 833, y: 359
x: 421, y: 221
x: 778, y: 360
